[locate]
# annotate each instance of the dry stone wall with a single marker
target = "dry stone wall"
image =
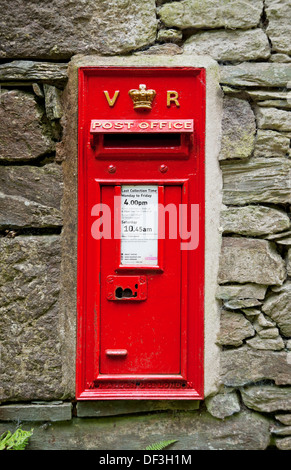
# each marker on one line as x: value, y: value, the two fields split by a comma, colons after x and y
x: 251, y: 41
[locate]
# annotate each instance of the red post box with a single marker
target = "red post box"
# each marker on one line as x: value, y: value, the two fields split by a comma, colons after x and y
x: 141, y: 140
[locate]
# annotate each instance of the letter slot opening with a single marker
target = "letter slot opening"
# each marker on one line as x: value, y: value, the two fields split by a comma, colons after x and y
x: 140, y: 141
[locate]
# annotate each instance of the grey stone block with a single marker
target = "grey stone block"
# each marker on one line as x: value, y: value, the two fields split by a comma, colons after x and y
x: 47, y: 411
x: 64, y: 28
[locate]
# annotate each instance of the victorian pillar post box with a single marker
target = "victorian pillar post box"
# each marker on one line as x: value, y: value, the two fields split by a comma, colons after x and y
x: 141, y: 206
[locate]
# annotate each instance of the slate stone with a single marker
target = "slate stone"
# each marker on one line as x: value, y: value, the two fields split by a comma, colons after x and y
x: 284, y: 443
x: 48, y: 411
x: 250, y: 260
x: 269, y: 333
x: 192, y: 431
x: 244, y: 365
x: 260, y: 74
x: 257, y: 180
x: 30, y: 196
x: 238, y: 129
x: 31, y: 360
x: 223, y: 405
x: 23, y: 136
x: 241, y: 291
x: 278, y: 307
x: 31, y: 71
x: 53, y: 105
x: 281, y: 430
x: 272, y: 118
x: 284, y: 419
x: 267, y: 398
x: 211, y: 14
x: 278, y: 14
x: 229, y: 46
x: 276, y: 344
x: 170, y: 35
x: 60, y: 29
x: 289, y: 262
x: 238, y: 304
x: 254, y: 220
x: 234, y: 329
x: 271, y: 143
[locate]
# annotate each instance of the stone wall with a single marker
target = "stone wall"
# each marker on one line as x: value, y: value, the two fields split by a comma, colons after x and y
x: 251, y: 40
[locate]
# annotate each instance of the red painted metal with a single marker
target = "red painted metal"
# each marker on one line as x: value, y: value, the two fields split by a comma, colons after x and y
x: 149, y: 345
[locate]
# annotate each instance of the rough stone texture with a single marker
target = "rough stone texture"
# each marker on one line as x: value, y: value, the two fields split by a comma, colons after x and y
x: 61, y: 28
x: 257, y: 180
x: 34, y: 205
x: 270, y: 143
x: 23, y: 135
x: 267, y: 398
x: 279, y: 30
x: 283, y: 444
x: 278, y: 236
x: 53, y: 104
x: 272, y: 95
x: 192, y: 431
x: 289, y: 262
x: 28, y: 70
x: 281, y: 104
x: 169, y: 35
x: 243, y: 291
x: 223, y: 404
x: 101, y: 408
x: 254, y: 220
x: 161, y: 49
x: 249, y: 260
x: 241, y: 303
x: 46, y: 411
x: 245, y: 365
x: 231, y: 46
x: 273, y: 118
x: 269, y: 333
x: 278, y: 307
x: 234, y: 328
x: 276, y: 344
x: 251, y: 312
x: 238, y: 129
x: 281, y: 430
x: 212, y: 14
x: 280, y: 58
x: 256, y: 74
x: 284, y: 419
x: 31, y: 365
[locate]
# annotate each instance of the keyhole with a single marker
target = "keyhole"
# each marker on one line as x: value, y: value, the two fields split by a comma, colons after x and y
x: 127, y: 293
x: 121, y: 293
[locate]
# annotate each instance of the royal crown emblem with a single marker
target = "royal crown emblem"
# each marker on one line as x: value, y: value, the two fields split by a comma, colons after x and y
x: 142, y: 98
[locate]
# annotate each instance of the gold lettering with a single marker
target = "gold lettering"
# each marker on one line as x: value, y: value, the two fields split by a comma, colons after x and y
x: 118, y: 125
x: 111, y: 101
x: 129, y: 124
x: 178, y: 125
x: 187, y: 125
x: 107, y: 125
x: 172, y: 97
x: 96, y: 124
x: 143, y: 125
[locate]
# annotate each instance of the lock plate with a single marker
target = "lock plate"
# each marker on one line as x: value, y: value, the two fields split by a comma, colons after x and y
x: 126, y: 288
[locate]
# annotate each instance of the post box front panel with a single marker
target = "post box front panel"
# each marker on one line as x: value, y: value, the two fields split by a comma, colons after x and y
x: 147, y: 328
x: 140, y: 233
